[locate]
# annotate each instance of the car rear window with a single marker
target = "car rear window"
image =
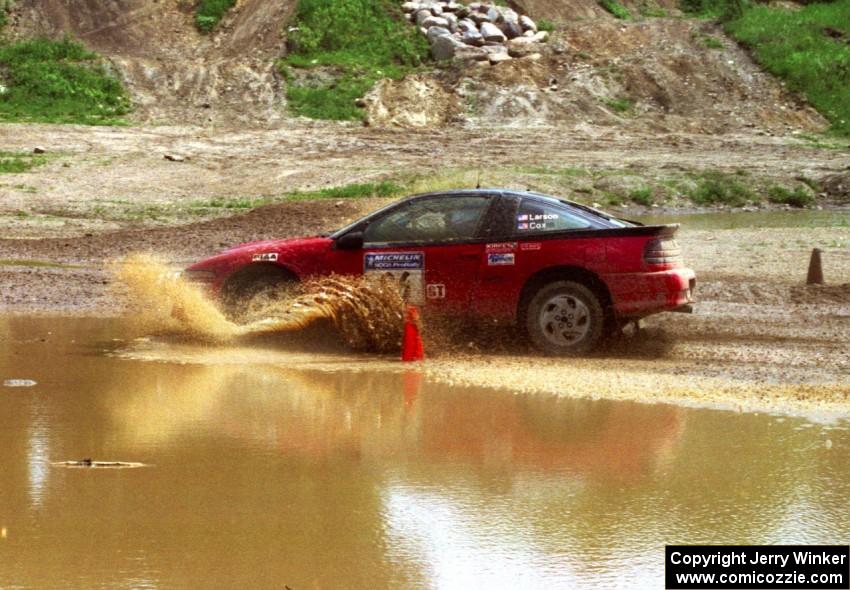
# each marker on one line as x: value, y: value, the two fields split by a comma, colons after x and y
x: 537, y: 216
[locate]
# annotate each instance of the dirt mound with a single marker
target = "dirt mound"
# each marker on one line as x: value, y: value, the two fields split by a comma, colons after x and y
x: 658, y: 75
x: 560, y: 10
x: 171, y: 69
x: 565, y: 11
x: 415, y: 101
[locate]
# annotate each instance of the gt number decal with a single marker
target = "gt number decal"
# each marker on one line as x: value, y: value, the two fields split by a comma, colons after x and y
x: 436, y: 291
x: 265, y: 257
x: 405, y: 267
x: 501, y: 259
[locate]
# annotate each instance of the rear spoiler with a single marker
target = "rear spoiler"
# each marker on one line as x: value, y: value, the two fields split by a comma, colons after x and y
x: 661, y: 231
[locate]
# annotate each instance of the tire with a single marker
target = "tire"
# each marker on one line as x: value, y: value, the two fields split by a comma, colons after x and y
x: 565, y: 318
x: 244, y: 301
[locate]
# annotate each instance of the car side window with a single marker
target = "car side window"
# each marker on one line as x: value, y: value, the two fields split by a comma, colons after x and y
x: 437, y: 219
x: 538, y: 216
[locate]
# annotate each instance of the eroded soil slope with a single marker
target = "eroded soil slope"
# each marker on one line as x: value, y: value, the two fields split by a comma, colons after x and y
x: 658, y: 75
x: 654, y: 74
x: 171, y: 70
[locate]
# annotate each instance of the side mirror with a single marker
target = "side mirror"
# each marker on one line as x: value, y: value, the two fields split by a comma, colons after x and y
x: 350, y: 241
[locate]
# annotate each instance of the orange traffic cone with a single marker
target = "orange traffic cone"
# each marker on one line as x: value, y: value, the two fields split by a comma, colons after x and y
x: 411, y: 345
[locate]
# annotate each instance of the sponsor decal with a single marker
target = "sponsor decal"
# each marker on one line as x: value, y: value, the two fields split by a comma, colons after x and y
x: 502, y: 247
x: 405, y: 267
x: 530, y: 246
x: 501, y: 259
x: 394, y: 261
x: 435, y: 291
x: 265, y: 257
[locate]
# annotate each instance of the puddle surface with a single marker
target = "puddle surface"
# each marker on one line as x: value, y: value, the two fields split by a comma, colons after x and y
x: 761, y: 219
x: 261, y: 475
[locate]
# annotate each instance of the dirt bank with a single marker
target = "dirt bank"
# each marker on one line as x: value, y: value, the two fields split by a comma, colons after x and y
x: 172, y: 71
x: 656, y: 75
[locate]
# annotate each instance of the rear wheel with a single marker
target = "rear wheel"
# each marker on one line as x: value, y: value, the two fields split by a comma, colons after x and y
x: 564, y: 318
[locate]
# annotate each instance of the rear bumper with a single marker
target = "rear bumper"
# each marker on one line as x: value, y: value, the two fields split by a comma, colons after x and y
x: 642, y: 294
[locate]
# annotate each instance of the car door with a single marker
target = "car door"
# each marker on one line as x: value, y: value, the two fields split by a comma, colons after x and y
x: 522, y: 240
x: 432, y: 246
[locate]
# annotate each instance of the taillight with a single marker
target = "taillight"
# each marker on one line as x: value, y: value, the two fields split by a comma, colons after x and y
x: 662, y: 251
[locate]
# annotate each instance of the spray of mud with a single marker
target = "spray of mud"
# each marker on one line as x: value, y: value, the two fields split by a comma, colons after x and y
x: 368, y: 314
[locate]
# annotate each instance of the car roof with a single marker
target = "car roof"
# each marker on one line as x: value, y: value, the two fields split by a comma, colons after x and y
x: 486, y: 192
x: 525, y: 194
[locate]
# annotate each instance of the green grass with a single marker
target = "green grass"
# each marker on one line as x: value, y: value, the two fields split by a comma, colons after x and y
x: 615, y: 8
x: 716, y: 188
x: 652, y: 11
x: 711, y: 42
x: 210, y: 12
x: 642, y: 196
x: 797, y: 197
x: 544, y: 24
x: 801, y: 47
x: 58, y: 82
x: 127, y: 210
x: 34, y: 263
x: 621, y: 105
x: 808, y: 47
x: 353, y: 43
x: 569, y: 171
x: 351, y: 191
x: 17, y: 162
x: 723, y: 9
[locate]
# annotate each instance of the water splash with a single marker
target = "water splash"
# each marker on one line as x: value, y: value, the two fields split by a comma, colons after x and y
x: 367, y: 313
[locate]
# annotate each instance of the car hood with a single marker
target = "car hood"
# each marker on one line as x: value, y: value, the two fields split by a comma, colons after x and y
x: 248, y: 250
x: 277, y: 245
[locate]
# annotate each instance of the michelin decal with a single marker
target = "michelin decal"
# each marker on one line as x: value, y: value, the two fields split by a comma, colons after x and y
x: 406, y: 267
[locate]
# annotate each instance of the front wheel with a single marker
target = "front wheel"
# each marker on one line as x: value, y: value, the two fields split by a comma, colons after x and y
x: 254, y: 299
x: 564, y: 318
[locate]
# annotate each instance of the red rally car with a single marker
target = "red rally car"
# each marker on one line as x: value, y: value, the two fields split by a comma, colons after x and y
x: 566, y: 273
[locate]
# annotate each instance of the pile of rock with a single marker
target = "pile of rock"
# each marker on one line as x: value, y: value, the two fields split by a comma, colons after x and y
x: 475, y: 31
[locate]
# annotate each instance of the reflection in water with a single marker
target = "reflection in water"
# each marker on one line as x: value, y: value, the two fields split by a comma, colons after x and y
x: 262, y: 475
x: 459, y: 549
x: 38, y: 454
x: 318, y: 414
x: 727, y: 220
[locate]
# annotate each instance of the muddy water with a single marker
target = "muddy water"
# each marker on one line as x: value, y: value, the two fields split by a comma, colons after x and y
x: 268, y: 469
